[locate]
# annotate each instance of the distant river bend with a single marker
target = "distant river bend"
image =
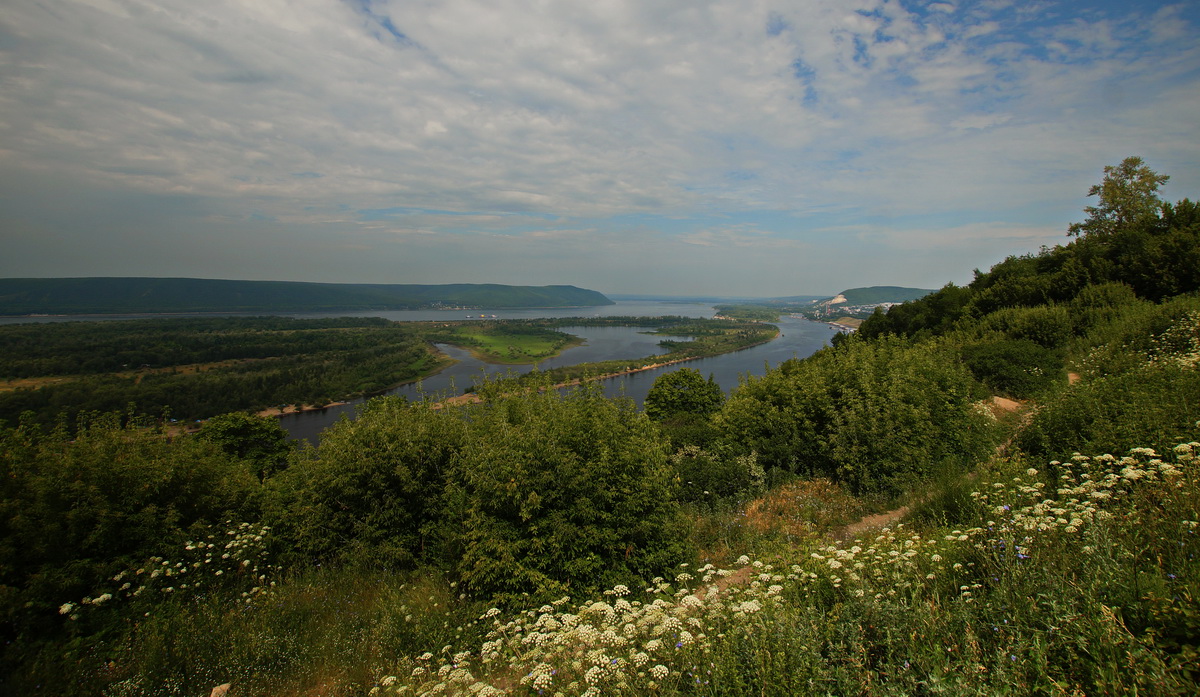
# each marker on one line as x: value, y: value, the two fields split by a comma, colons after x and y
x: 798, y: 338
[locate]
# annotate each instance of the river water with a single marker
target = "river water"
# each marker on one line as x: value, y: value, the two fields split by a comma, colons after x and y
x: 799, y: 338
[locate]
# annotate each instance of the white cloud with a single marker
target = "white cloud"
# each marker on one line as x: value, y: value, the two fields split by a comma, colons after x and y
x: 523, y: 119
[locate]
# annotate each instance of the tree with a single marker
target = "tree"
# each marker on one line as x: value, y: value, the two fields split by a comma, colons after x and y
x: 1128, y: 193
x: 684, y: 391
x: 372, y: 492
x: 261, y: 442
x: 557, y: 493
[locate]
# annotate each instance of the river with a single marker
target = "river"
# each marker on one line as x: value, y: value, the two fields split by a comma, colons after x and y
x: 798, y: 338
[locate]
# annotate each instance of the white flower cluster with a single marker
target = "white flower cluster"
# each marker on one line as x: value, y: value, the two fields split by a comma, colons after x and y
x: 663, y: 640
x: 238, y: 552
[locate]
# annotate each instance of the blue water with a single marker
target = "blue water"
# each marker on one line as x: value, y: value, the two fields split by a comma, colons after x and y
x: 799, y: 338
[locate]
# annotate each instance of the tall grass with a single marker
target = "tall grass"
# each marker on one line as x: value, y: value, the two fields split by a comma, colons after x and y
x: 1076, y: 580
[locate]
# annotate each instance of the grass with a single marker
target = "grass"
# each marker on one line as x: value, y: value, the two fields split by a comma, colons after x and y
x: 511, y: 347
x: 1066, y: 583
x: 1072, y: 578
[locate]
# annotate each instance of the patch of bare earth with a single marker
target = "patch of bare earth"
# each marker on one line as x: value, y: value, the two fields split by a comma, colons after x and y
x: 871, y: 522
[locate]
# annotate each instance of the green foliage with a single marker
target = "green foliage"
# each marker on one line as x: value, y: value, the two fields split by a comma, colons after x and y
x: 323, y: 631
x: 874, y: 415
x: 1017, y: 368
x: 1128, y: 194
x: 261, y: 442
x: 75, y: 511
x: 1100, y: 304
x: 372, y: 494
x: 528, y: 493
x: 1049, y: 326
x: 561, y: 492
x: 197, y: 368
x: 935, y: 312
x: 683, y: 391
x: 1155, y: 404
x: 709, y: 476
x: 752, y: 313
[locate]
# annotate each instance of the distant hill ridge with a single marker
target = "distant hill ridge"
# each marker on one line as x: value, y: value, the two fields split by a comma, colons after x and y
x: 872, y: 295
x: 65, y: 296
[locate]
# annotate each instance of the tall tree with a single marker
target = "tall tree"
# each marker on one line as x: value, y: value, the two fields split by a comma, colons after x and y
x: 1128, y: 193
x: 684, y: 391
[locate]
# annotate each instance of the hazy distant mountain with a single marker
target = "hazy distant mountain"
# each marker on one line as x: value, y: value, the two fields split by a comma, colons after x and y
x: 25, y: 296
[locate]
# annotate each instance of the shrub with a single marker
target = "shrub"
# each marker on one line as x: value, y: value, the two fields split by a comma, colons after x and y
x: 372, y: 492
x: 710, y: 475
x: 556, y: 491
x: 1017, y: 368
x: 75, y: 511
x: 683, y: 391
x: 875, y: 415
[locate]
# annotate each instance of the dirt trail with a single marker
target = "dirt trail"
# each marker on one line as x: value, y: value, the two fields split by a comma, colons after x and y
x: 871, y: 522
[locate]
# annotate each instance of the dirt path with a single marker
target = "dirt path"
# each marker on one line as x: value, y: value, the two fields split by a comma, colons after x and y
x: 871, y: 522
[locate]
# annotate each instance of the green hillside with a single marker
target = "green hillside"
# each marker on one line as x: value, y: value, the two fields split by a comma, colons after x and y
x: 25, y: 296
x: 882, y: 294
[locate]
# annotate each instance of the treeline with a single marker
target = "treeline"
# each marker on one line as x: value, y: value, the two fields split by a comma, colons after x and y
x: 81, y: 348
x: 1153, y: 257
x: 196, y: 368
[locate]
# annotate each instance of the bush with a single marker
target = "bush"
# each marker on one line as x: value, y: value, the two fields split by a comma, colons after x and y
x: 372, y: 493
x: 709, y: 476
x: 1017, y: 368
x: 554, y: 493
x: 1155, y: 405
x: 683, y: 391
x: 874, y: 415
x: 75, y: 511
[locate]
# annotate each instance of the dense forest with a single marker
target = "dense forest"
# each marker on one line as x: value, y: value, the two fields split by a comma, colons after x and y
x: 1029, y: 443
x: 197, y: 368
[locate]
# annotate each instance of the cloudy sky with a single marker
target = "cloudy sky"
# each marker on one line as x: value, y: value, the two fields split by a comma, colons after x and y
x: 725, y: 147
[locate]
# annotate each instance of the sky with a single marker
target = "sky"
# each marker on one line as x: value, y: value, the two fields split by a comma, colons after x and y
x: 729, y: 147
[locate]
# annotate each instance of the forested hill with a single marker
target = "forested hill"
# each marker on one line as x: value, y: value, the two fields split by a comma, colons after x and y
x: 883, y: 294
x: 25, y: 296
